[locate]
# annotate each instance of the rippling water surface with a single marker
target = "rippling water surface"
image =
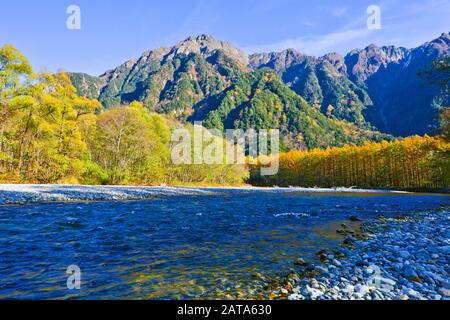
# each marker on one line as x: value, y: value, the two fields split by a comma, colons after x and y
x: 172, y: 247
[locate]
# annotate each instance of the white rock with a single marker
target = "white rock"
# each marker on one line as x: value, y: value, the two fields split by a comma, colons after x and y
x: 314, y: 293
x: 413, y: 293
x: 445, y: 292
x: 349, y: 288
x: 362, y: 289
x: 337, y: 263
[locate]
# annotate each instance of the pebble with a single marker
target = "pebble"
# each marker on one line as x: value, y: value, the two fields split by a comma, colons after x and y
x: 409, y: 272
x: 361, y: 289
x: 300, y: 262
x: 337, y: 263
x: 404, y: 254
x: 314, y: 293
x: 445, y: 292
x: 349, y: 288
x: 284, y: 291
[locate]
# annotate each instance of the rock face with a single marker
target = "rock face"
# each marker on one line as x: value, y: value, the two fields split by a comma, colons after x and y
x: 403, y: 102
x: 375, y: 86
x: 362, y: 64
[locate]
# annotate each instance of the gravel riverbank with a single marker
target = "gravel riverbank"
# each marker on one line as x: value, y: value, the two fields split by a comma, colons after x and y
x: 390, y: 258
x: 22, y: 194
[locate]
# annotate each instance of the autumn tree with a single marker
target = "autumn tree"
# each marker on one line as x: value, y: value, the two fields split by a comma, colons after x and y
x: 131, y: 145
x: 411, y: 163
x: 14, y: 72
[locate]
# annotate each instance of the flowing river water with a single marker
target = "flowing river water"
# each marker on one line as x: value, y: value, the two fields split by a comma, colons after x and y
x: 177, y: 246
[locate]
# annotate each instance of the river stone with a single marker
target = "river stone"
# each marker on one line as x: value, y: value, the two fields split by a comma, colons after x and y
x: 413, y: 294
x: 313, y: 293
x: 362, y: 289
x: 349, y: 288
x: 337, y: 263
x: 409, y: 272
x: 445, y: 292
x: 300, y: 262
x: 382, y: 282
x: 322, y: 269
x: 412, y: 252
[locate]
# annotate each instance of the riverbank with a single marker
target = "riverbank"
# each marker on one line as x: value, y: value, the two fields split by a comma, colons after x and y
x: 22, y: 194
x: 398, y: 258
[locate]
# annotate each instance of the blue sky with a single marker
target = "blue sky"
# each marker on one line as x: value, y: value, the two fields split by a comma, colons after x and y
x: 113, y: 31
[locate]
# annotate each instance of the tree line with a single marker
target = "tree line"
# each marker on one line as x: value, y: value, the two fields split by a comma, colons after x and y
x: 410, y: 163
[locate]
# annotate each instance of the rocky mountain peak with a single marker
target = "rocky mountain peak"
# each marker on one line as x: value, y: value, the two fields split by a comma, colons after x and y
x: 156, y: 54
x: 123, y: 68
x: 336, y: 60
x: 439, y: 45
x: 277, y: 60
x: 361, y: 64
x: 206, y: 45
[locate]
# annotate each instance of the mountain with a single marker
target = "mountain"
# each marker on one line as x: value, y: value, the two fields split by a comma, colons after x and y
x: 168, y: 80
x: 372, y: 88
x: 321, y: 81
x: 403, y: 102
x: 261, y: 100
x: 376, y: 85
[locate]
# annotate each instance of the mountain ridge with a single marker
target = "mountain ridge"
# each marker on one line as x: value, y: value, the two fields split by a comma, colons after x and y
x: 367, y: 87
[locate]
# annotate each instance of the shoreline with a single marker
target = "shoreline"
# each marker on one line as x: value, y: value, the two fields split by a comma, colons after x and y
x: 11, y: 194
x: 400, y: 258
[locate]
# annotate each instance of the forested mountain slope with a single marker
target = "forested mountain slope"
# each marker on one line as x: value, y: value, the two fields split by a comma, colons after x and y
x: 375, y: 88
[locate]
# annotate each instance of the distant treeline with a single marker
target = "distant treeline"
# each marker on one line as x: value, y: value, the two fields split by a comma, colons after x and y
x: 411, y: 163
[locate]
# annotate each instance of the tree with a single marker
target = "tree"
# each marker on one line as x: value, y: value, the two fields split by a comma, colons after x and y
x: 50, y: 146
x: 445, y: 123
x: 49, y: 134
x: 439, y: 73
x: 40, y: 114
x: 130, y: 145
x: 14, y: 71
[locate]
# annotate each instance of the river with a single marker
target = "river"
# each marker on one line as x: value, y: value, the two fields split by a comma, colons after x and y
x: 206, y: 245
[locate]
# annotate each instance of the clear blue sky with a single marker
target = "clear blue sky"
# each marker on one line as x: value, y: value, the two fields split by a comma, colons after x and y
x: 114, y: 31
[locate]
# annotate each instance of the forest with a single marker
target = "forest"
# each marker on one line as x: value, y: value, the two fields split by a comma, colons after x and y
x: 412, y: 163
x: 49, y: 134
